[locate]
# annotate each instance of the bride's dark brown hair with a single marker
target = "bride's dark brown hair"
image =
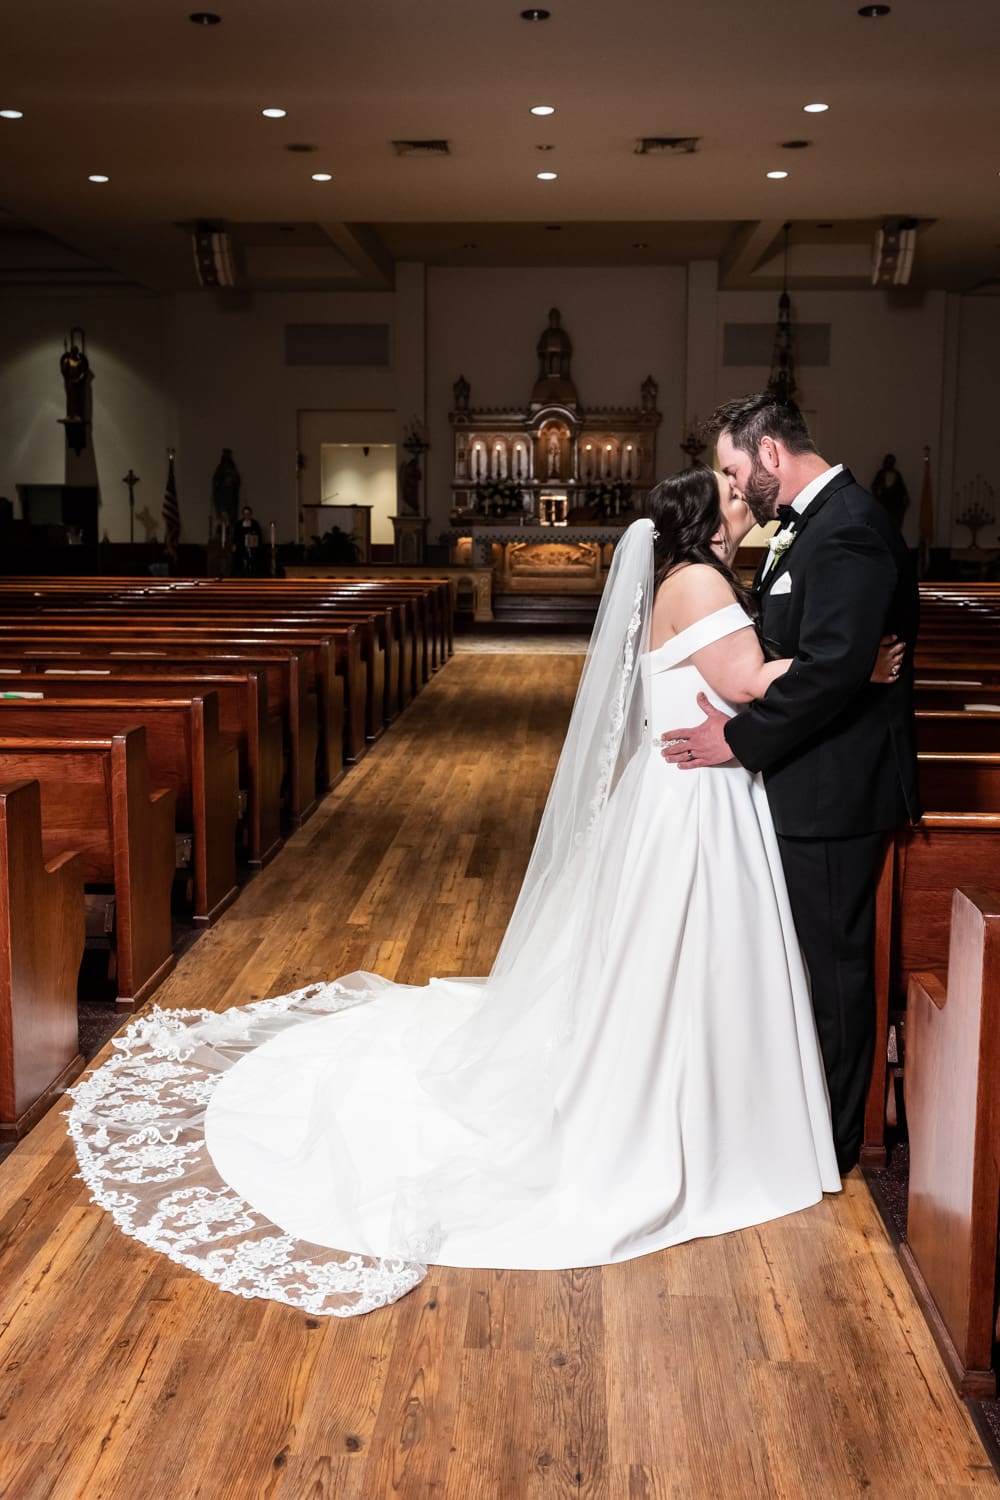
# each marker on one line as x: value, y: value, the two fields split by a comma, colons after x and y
x: 686, y: 512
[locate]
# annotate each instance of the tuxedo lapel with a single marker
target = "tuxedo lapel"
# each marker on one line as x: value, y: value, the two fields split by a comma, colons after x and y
x: 812, y: 510
x: 762, y: 584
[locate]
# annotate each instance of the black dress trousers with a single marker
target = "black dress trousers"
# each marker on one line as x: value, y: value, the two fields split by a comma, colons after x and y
x: 831, y: 886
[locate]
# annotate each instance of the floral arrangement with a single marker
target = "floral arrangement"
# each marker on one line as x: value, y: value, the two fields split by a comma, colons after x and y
x: 334, y: 548
x: 496, y: 497
x: 610, y: 497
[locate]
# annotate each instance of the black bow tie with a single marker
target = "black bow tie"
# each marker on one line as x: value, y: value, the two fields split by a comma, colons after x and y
x: 787, y: 514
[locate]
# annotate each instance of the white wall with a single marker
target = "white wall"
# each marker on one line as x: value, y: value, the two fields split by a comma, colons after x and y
x: 235, y: 391
x: 181, y: 371
x: 882, y: 391
x: 352, y: 477
x: 977, y: 408
x: 484, y: 324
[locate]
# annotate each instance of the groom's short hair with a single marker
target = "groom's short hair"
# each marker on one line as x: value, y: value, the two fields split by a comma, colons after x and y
x: 751, y: 418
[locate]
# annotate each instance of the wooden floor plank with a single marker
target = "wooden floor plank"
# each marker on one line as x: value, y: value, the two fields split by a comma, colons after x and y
x: 787, y: 1360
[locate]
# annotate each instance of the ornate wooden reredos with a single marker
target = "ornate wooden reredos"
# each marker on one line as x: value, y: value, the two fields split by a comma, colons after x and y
x: 555, y: 450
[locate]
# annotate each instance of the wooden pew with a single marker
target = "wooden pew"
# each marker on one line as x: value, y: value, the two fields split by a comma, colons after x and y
x: 41, y: 946
x: 952, y: 1087
x: 361, y: 638
x: 331, y: 653
x: 947, y: 729
x: 398, y: 608
x: 967, y: 781
x: 291, y: 690
x: 956, y: 844
x: 957, y: 697
x: 244, y: 722
x: 186, y: 753
x: 96, y: 799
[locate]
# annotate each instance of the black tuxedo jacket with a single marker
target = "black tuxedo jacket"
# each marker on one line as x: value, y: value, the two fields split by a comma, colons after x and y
x: 838, y: 752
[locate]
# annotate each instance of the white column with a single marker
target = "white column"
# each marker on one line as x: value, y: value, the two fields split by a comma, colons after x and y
x: 410, y: 357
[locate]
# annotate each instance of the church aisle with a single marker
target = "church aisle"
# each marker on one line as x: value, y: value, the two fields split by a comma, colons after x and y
x: 788, y: 1360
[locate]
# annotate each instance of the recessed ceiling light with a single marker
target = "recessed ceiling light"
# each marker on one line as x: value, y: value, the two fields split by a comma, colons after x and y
x: 274, y: 114
x: 98, y: 177
x: 11, y: 114
x: 775, y: 175
x: 322, y: 177
x: 546, y: 176
x: 545, y: 148
x: 871, y: 11
x: 535, y: 15
x: 795, y: 145
x: 543, y: 109
x: 815, y: 109
x: 204, y: 18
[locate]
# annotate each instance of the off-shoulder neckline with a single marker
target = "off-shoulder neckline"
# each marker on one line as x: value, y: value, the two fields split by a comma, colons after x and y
x: 726, y: 608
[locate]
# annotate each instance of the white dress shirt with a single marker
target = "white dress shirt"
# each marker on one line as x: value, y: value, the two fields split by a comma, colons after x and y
x: 804, y: 499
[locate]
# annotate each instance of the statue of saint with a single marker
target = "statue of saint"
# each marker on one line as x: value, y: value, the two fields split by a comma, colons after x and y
x: 409, y: 487
x: 554, y: 452
x: 889, y: 489
x: 226, y: 489
x: 74, y: 367
x: 460, y: 393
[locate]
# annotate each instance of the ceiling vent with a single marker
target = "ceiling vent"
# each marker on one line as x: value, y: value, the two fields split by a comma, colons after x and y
x: 892, y: 253
x: 667, y: 145
x: 421, y: 148
x: 213, y: 256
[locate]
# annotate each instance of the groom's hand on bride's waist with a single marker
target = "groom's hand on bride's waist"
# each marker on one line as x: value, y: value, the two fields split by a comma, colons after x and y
x: 703, y: 744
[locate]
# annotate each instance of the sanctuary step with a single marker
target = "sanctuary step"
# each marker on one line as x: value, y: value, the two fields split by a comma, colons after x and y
x: 578, y: 610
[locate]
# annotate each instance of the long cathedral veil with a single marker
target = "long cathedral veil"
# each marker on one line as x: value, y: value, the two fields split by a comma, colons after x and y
x: 139, y: 1121
x: 501, y: 1072
x: 548, y: 934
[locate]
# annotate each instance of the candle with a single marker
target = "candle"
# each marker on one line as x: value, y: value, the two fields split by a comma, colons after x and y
x: 274, y: 535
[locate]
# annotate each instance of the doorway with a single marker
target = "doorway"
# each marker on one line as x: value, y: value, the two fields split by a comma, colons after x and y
x: 361, y: 474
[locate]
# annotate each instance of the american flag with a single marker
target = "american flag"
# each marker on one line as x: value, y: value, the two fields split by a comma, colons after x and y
x: 171, y: 512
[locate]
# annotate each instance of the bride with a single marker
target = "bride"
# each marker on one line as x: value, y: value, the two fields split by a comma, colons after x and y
x: 640, y: 1067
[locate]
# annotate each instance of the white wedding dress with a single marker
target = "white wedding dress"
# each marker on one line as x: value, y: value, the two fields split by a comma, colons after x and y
x: 644, y: 1070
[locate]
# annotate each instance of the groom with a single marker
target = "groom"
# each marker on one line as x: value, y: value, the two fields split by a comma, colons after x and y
x: 837, y: 752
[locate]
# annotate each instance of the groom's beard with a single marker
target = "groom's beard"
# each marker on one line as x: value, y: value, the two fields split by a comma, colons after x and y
x: 760, y: 492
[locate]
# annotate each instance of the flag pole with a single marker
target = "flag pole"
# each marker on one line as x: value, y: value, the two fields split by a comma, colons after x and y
x: 926, y: 516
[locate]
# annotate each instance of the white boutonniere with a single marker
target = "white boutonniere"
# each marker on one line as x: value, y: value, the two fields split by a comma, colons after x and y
x: 781, y: 541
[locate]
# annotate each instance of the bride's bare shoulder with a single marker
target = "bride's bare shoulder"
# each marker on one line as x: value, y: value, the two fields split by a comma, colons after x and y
x: 687, y: 595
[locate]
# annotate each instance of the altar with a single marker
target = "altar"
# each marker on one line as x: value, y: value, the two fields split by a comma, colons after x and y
x: 539, y: 559
x: 541, y: 493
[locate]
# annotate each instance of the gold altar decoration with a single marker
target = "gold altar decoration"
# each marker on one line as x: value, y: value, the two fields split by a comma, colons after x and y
x: 549, y: 460
x: 542, y: 492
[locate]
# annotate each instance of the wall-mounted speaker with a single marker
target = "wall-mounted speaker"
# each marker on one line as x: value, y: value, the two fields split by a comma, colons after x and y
x: 213, y: 256
x: 892, y: 253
